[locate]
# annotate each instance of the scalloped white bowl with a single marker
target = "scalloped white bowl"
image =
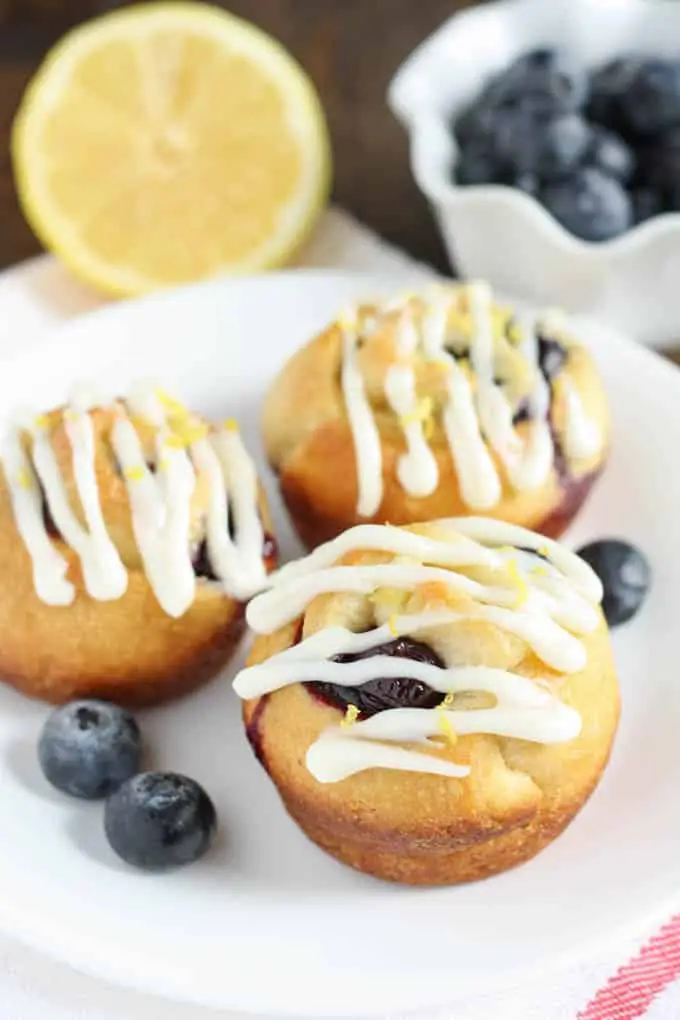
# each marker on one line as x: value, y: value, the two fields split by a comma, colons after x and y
x: 503, y: 235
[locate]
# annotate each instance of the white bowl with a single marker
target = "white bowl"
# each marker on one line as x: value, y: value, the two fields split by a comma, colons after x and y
x: 503, y: 235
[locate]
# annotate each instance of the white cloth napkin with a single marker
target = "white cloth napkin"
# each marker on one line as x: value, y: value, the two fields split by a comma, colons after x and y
x: 40, y: 293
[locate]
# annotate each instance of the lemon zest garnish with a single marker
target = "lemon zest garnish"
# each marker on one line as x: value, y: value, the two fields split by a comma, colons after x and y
x: 348, y: 320
x: 446, y: 728
x: 388, y: 598
x: 135, y: 473
x: 230, y: 425
x: 186, y: 433
x: 176, y: 408
x: 350, y: 717
x: 422, y: 411
x: 24, y: 478
x: 392, y: 625
x: 164, y: 462
x: 519, y: 582
x: 428, y: 428
x: 543, y: 550
x: 539, y: 571
x: 42, y: 421
x: 446, y: 703
x: 70, y: 414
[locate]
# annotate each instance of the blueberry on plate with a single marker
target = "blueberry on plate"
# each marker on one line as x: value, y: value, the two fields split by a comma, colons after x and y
x: 651, y: 102
x: 88, y: 748
x: 544, y: 76
x: 607, y: 86
x: 160, y: 820
x: 608, y: 152
x: 590, y: 204
x: 625, y: 576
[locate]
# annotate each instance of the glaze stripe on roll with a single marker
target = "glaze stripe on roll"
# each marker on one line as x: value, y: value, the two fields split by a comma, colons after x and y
x: 160, y: 503
x: 475, y: 420
x: 545, y: 595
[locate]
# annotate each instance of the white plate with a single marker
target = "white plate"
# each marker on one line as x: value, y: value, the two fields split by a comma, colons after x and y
x: 268, y: 923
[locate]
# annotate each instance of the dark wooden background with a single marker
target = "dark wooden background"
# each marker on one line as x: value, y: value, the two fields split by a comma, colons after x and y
x: 349, y: 47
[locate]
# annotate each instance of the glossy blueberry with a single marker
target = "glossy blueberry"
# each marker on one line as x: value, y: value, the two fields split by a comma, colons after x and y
x: 607, y: 87
x: 625, y: 576
x: 659, y: 161
x: 382, y: 693
x: 88, y: 748
x: 477, y: 165
x: 475, y: 124
x: 651, y: 103
x: 549, y: 146
x: 527, y: 182
x: 160, y: 820
x: 546, y: 77
x: 608, y: 152
x: 590, y: 204
x: 647, y: 202
x: 552, y: 356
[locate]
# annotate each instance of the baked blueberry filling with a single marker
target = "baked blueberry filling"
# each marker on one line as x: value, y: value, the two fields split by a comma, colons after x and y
x: 384, y: 692
x: 552, y: 357
x: 201, y: 558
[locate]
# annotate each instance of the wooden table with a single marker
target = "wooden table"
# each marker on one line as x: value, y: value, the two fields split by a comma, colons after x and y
x: 349, y: 47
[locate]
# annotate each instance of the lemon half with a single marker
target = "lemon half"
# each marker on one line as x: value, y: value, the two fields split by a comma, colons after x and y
x: 170, y: 142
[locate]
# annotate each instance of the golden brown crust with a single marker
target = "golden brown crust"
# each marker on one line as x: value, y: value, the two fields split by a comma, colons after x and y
x: 127, y: 650
x: 309, y: 444
x: 426, y: 829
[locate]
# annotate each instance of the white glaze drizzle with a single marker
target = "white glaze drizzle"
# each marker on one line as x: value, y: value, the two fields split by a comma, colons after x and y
x: 160, y: 509
x: 160, y: 506
x: 365, y: 433
x: 49, y: 566
x: 582, y: 435
x: 559, y: 604
x: 104, y: 575
x: 474, y: 421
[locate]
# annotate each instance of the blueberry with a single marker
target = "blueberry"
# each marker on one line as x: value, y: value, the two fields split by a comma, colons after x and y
x: 383, y: 692
x: 607, y: 87
x: 590, y: 204
x: 160, y: 820
x: 659, y: 161
x: 477, y: 165
x: 647, y: 202
x: 651, y: 103
x: 88, y: 748
x: 552, y: 356
x: 625, y: 576
x: 672, y: 200
x: 545, y: 76
x: 608, y: 152
x: 549, y: 146
x: 527, y: 182
x: 476, y: 122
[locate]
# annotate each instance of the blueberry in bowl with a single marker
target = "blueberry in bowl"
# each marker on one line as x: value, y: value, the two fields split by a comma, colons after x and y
x: 88, y: 748
x: 545, y: 76
x: 590, y: 204
x: 600, y: 151
x: 160, y: 820
x: 650, y: 103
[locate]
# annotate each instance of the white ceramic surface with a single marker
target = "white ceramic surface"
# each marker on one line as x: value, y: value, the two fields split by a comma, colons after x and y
x: 498, y: 233
x: 267, y: 922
